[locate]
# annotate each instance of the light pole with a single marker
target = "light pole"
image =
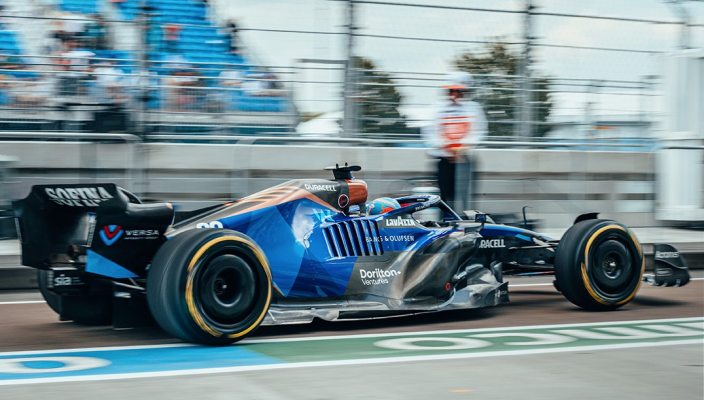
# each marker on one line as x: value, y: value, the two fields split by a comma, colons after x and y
x: 525, y: 112
x: 349, y: 121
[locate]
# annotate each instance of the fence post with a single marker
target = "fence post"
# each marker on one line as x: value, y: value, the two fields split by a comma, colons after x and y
x: 524, y: 127
x: 350, y: 117
x: 683, y: 14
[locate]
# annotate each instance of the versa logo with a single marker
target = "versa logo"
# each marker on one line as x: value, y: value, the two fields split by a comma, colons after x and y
x: 111, y: 234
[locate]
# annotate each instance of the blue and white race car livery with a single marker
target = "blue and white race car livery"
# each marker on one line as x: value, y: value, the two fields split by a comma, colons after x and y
x: 301, y: 250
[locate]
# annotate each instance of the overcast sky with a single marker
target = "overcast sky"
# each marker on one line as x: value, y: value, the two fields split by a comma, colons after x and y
x: 434, y: 57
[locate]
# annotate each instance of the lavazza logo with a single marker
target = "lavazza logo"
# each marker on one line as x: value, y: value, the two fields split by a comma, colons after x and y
x: 491, y: 244
x: 377, y: 276
x: 398, y: 221
x: 78, y: 196
x: 319, y: 188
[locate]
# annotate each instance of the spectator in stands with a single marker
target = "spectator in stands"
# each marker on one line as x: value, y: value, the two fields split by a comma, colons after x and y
x: 172, y: 32
x: 183, y: 89
x: 33, y: 91
x: 110, y: 92
x: 3, y: 22
x: 9, y: 61
x: 263, y: 84
x: 76, y: 67
x: 96, y: 33
x: 207, y: 9
x: 77, y: 59
x: 45, y: 7
x: 233, y: 31
x: 58, y: 37
x: 230, y: 80
x: 109, y: 83
x: 73, y: 25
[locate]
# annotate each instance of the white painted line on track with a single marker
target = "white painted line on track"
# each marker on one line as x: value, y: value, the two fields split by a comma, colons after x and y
x: 7, y: 303
x: 550, y: 283
x: 336, y: 363
x: 470, y: 331
x: 528, y: 284
x: 357, y: 336
x: 91, y: 349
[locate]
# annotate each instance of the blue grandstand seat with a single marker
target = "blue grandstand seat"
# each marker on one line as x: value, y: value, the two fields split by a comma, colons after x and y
x: 125, y: 60
x: 9, y: 45
x: 129, y: 9
x: 200, y: 41
x: 4, y: 98
x: 79, y: 6
x: 261, y: 104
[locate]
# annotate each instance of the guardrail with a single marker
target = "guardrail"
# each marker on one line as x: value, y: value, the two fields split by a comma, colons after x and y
x: 558, y: 179
x: 82, y: 137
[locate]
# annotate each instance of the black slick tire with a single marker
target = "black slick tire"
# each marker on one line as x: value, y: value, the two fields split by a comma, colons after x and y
x: 599, y: 265
x: 209, y: 286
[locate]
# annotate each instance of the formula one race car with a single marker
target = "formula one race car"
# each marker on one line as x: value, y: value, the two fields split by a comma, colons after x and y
x: 301, y: 250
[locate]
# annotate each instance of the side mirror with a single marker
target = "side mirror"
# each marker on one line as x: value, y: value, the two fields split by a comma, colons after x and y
x: 481, y: 218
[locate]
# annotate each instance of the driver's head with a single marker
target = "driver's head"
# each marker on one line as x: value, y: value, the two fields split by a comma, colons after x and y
x: 382, y: 205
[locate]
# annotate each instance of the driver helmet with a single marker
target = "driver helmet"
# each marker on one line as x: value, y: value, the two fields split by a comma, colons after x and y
x: 382, y: 205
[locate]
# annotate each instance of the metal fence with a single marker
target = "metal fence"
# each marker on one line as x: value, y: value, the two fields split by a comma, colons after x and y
x: 60, y: 93
x: 556, y: 178
x: 134, y: 91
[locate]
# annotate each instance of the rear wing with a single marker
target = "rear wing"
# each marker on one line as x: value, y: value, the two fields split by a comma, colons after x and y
x: 59, y: 225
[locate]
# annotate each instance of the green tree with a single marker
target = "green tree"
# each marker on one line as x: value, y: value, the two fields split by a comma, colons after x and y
x: 497, y: 94
x: 377, y: 101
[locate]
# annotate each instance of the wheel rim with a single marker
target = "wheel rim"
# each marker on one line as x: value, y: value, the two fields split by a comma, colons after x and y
x: 614, y: 268
x: 226, y: 290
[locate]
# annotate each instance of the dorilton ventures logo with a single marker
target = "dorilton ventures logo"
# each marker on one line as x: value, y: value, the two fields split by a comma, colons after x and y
x: 111, y: 234
x: 377, y: 276
x: 398, y: 221
x: 78, y: 196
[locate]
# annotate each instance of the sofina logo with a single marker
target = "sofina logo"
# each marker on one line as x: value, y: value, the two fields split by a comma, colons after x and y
x: 111, y: 234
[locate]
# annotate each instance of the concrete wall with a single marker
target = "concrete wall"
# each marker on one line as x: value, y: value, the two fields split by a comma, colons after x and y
x: 557, y: 184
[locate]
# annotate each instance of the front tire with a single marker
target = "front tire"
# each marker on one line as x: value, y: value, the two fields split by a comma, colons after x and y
x: 209, y: 286
x: 599, y: 265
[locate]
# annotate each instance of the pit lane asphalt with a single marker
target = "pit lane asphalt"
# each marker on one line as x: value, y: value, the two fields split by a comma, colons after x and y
x: 27, y: 323
x: 657, y: 372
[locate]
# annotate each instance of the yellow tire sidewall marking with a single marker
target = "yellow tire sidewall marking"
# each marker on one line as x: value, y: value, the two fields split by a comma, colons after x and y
x: 190, y: 302
x: 585, y: 265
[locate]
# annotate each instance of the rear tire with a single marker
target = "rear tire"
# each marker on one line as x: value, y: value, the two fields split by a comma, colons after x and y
x: 599, y: 265
x: 209, y: 286
x: 87, y: 309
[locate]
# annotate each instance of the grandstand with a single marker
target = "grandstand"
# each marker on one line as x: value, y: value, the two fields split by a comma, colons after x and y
x: 184, y: 74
